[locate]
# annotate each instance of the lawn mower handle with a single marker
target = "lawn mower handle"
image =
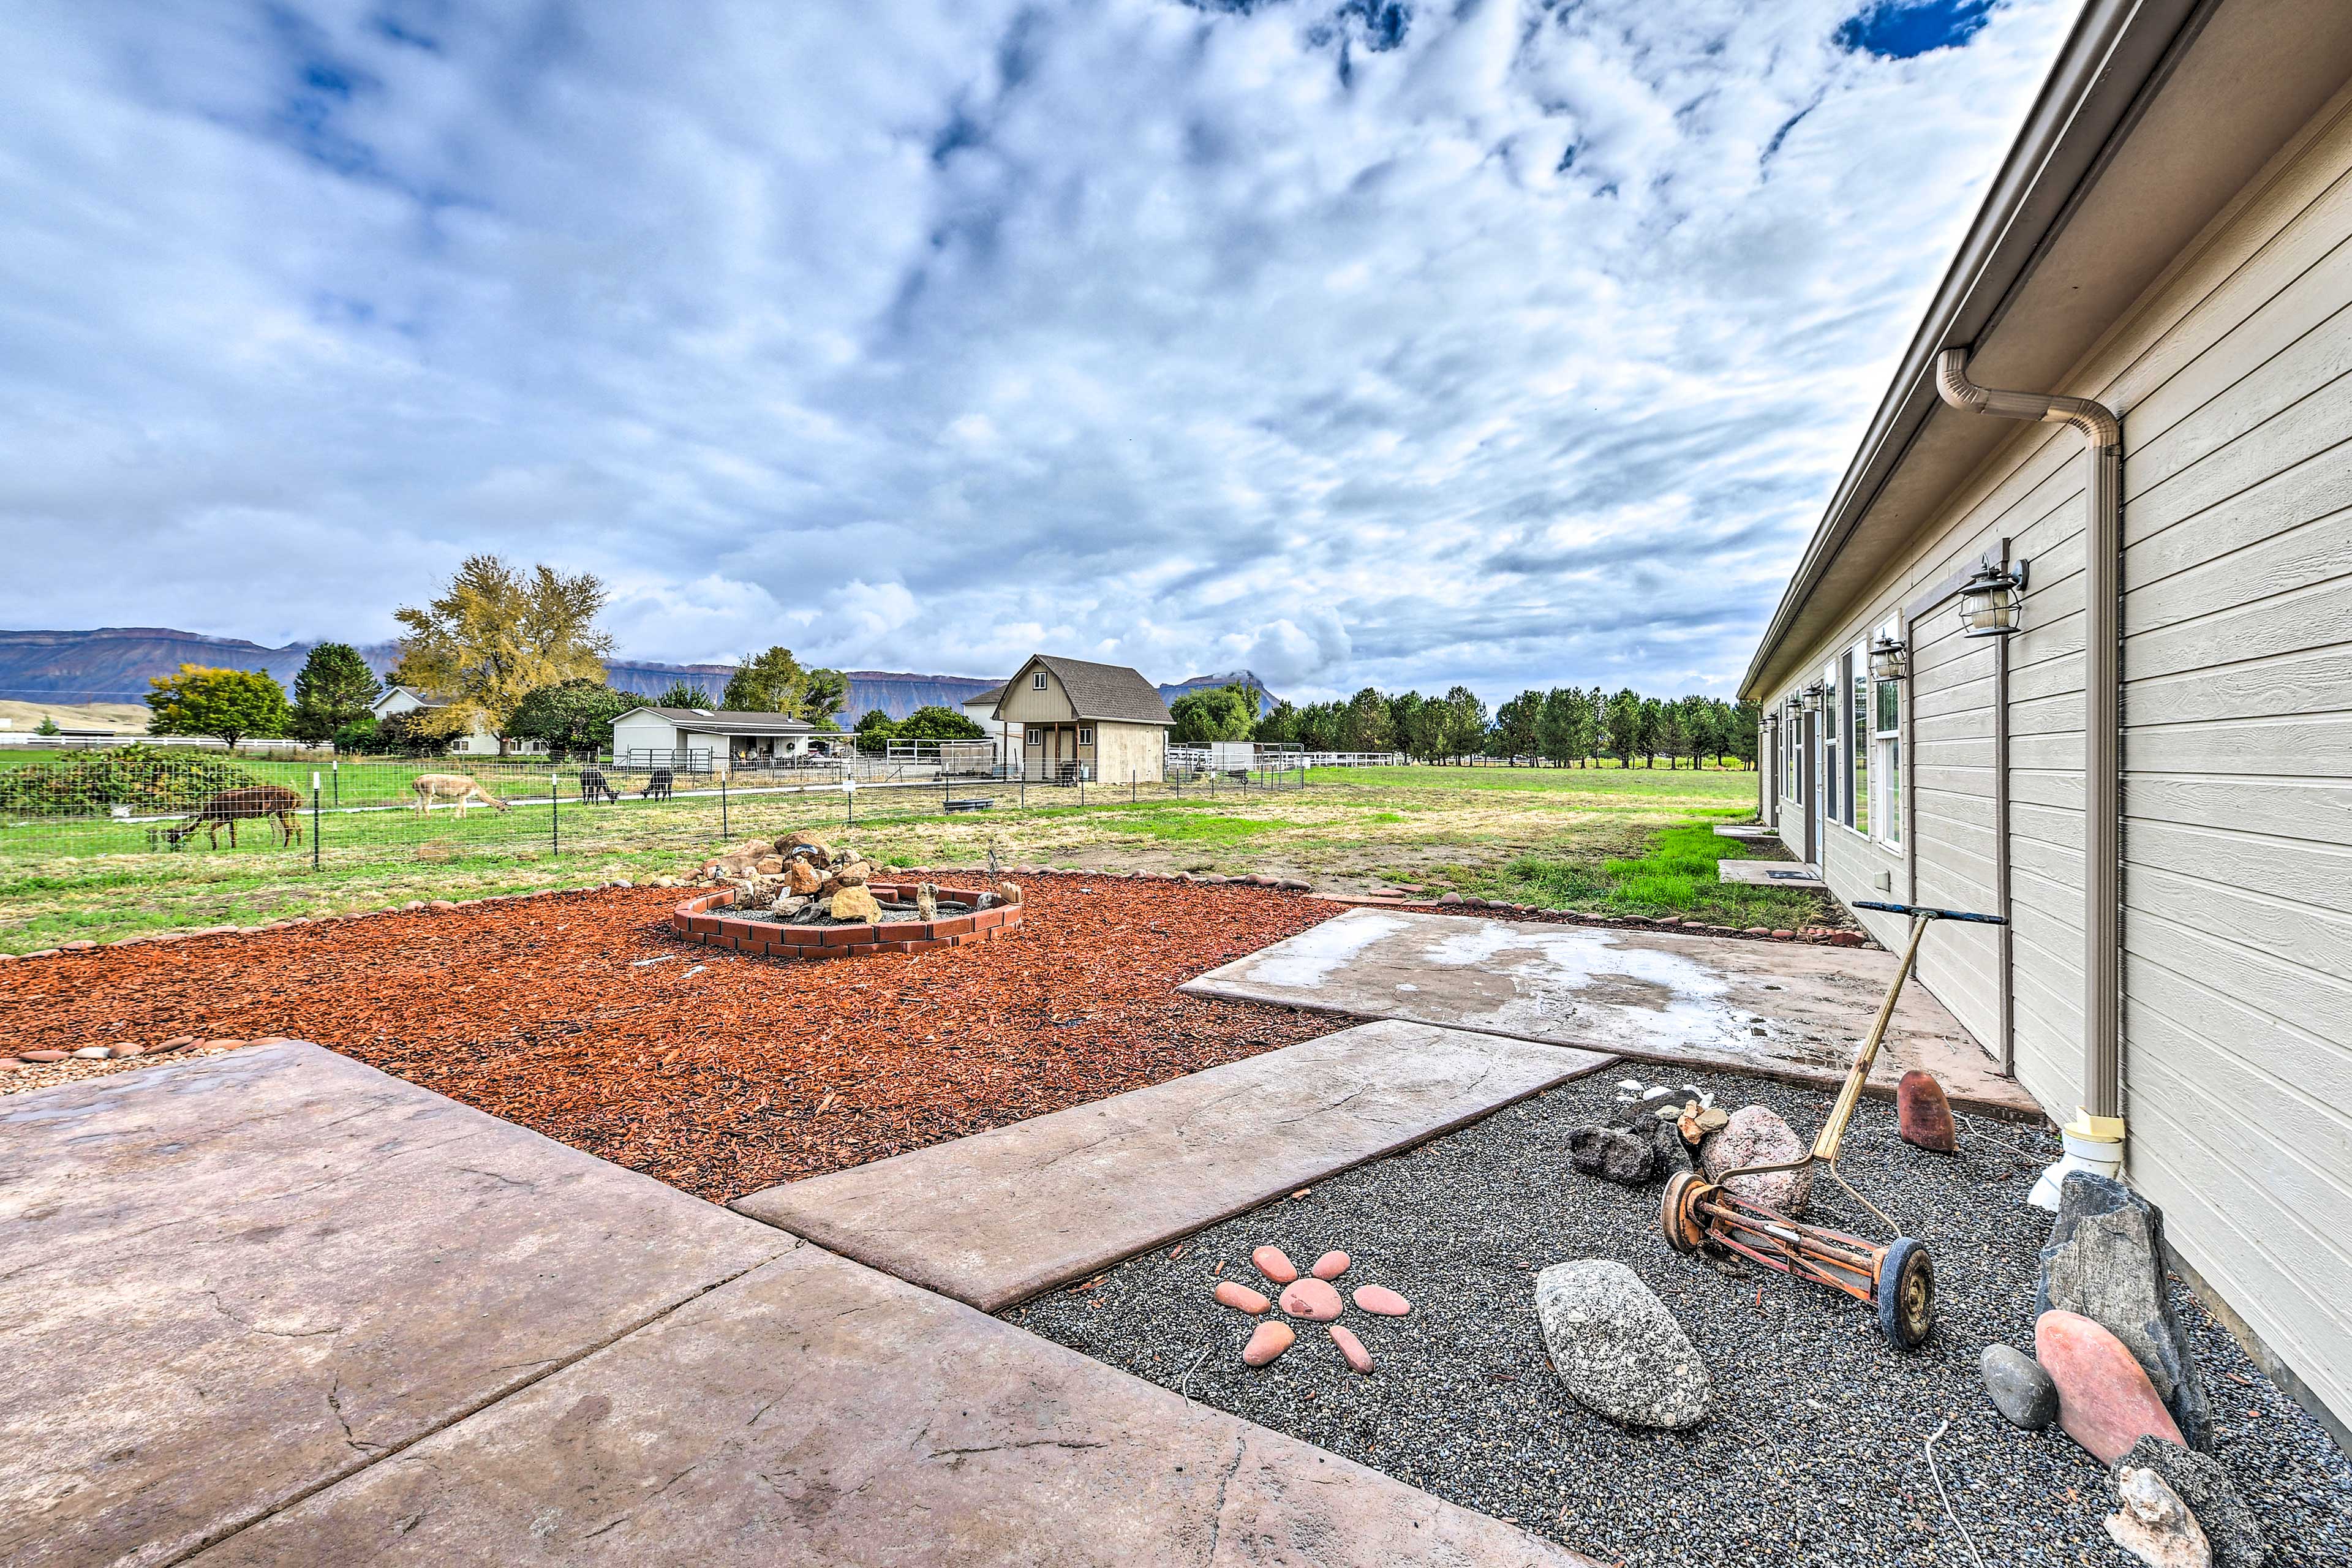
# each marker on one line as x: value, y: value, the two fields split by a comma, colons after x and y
x: 1926, y: 913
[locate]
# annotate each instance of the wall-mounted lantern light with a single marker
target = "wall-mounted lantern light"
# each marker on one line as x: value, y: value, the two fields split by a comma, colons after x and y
x: 1889, y: 659
x: 1810, y: 698
x: 1989, y: 601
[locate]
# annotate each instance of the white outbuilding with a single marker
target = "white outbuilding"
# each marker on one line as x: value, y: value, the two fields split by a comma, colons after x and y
x: 705, y: 739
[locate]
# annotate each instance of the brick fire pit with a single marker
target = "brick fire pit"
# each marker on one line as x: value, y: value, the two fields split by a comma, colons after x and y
x: 697, y: 920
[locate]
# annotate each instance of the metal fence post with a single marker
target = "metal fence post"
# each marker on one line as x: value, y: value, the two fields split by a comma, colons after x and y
x: 1130, y: 786
x: 335, y: 771
x: 555, y: 814
x: 314, y: 820
x: 725, y: 833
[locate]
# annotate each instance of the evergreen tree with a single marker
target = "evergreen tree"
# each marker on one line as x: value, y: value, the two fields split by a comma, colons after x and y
x: 334, y: 688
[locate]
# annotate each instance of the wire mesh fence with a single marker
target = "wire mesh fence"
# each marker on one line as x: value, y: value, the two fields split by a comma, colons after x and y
x: 164, y: 804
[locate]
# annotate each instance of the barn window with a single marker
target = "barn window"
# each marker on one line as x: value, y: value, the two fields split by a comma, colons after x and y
x: 1037, y: 682
x: 1085, y: 736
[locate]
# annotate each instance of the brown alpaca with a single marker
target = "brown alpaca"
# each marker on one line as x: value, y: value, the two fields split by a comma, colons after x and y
x: 430, y: 787
x: 230, y: 805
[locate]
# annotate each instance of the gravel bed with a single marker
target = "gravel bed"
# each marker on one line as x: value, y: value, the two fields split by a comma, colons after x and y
x: 1813, y: 1454
x: 29, y: 1076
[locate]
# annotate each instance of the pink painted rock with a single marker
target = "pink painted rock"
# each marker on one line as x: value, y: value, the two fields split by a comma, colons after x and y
x: 125, y: 1049
x: 1381, y: 1300
x: 1331, y: 1266
x: 1269, y: 1340
x: 1756, y: 1136
x: 43, y: 1055
x: 1271, y: 1262
x: 1311, y: 1300
x: 2105, y: 1402
x: 1352, y: 1348
x: 1239, y: 1296
x: 177, y: 1042
x: 1924, y: 1114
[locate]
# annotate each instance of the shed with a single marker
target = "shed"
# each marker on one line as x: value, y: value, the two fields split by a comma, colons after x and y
x: 2135, y: 745
x: 705, y: 739
x: 1079, y: 720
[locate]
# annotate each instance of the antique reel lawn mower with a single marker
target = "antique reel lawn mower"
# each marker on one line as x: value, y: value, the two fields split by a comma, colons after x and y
x: 1897, y: 1278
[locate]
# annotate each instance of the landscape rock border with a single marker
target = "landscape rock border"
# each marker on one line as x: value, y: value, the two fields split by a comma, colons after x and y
x: 769, y: 939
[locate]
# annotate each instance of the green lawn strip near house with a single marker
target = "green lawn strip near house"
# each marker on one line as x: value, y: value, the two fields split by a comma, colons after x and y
x: 1670, y: 871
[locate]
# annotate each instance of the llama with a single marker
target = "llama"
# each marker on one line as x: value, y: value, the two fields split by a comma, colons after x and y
x: 430, y: 787
x: 231, y: 805
x: 592, y: 784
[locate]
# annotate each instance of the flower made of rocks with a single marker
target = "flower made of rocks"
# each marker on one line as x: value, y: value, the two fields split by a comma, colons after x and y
x: 1310, y: 1299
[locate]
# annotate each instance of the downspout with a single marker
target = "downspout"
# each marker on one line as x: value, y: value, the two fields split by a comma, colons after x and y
x: 2097, y: 1135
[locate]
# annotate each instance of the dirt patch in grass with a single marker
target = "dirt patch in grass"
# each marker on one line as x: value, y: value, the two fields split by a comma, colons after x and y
x: 717, y: 1073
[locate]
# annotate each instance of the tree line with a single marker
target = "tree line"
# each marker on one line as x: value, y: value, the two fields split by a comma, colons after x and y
x: 513, y: 654
x: 1566, y: 726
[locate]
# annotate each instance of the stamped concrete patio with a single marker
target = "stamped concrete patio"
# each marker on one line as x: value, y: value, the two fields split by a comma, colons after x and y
x: 276, y: 1307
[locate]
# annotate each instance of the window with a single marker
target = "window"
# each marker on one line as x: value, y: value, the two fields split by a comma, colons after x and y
x: 1037, y: 682
x: 1035, y: 736
x: 1887, y: 749
x: 1832, y: 810
x: 1085, y: 736
x: 1857, y: 700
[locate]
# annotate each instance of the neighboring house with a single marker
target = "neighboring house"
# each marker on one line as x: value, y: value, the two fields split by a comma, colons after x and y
x: 1003, y: 740
x: 1081, y: 720
x: 476, y: 742
x: 712, y: 740
x: 2149, y: 774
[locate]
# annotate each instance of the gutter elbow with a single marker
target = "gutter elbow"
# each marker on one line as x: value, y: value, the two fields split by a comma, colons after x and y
x: 1952, y: 382
x: 2097, y: 423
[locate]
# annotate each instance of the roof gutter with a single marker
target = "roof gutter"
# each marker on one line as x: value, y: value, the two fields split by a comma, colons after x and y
x: 2100, y: 1121
x: 2118, y: 48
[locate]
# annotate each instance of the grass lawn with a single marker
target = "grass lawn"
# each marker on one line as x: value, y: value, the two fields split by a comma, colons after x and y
x: 1603, y: 838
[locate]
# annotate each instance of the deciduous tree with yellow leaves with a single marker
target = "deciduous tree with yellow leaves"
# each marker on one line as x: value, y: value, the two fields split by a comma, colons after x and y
x: 495, y: 635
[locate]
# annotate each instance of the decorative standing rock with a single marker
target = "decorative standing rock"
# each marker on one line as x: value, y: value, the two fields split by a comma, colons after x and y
x: 1331, y: 1266
x: 2105, y: 1402
x: 1381, y: 1301
x: 1311, y: 1300
x: 2198, y: 1481
x: 1618, y: 1349
x: 2154, y: 1526
x: 1924, y: 1114
x: 1352, y: 1347
x: 1240, y: 1297
x: 855, y: 904
x: 1008, y: 892
x: 2020, y: 1390
x: 1274, y: 1265
x: 1753, y: 1135
x: 927, y: 900
x: 2106, y: 1261
x: 1614, y: 1153
x: 802, y: 878
x: 1268, y: 1340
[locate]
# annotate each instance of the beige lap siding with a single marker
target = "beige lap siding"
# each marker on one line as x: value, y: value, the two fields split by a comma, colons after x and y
x: 2234, y: 375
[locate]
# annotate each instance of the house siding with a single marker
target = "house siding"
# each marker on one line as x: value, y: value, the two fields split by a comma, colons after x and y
x: 1124, y: 749
x: 1023, y: 704
x: 2234, y: 375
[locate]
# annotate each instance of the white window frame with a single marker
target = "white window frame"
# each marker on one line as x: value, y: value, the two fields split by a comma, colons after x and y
x: 1037, y: 682
x: 1085, y: 734
x: 1034, y: 735
x: 1855, y: 672
x: 1886, y: 755
x: 1833, y: 755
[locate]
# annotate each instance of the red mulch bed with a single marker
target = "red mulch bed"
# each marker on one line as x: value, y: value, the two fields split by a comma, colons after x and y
x: 753, y: 1072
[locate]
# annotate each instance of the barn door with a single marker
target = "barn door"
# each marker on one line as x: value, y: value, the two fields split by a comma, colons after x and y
x: 1956, y: 820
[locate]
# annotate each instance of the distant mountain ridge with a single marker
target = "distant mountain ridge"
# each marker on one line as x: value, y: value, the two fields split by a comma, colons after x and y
x: 114, y: 664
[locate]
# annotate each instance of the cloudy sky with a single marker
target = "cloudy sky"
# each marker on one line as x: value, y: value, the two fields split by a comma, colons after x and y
x: 1404, y: 341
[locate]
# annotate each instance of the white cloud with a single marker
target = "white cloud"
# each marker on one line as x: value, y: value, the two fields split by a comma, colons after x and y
x: 924, y: 334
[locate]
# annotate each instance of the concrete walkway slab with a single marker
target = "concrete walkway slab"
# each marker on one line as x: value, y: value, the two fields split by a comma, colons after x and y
x: 1751, y: 832
x: 1787, y: 1010
x: 816, y: 1412
x: 230, y: 1281
x: 994, y: 1218
x: 1771, y: 874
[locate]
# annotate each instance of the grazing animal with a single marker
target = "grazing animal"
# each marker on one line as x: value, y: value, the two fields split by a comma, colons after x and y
x: 657, y: 787
x: 592, y: 783
x: 229, y: 807
x: 430, y: 787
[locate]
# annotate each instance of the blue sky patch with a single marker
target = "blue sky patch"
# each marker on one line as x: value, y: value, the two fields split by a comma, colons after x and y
x: 1894, y: 30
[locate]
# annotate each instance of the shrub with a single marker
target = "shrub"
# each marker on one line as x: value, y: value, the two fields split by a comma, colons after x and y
x: 145, y: 778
